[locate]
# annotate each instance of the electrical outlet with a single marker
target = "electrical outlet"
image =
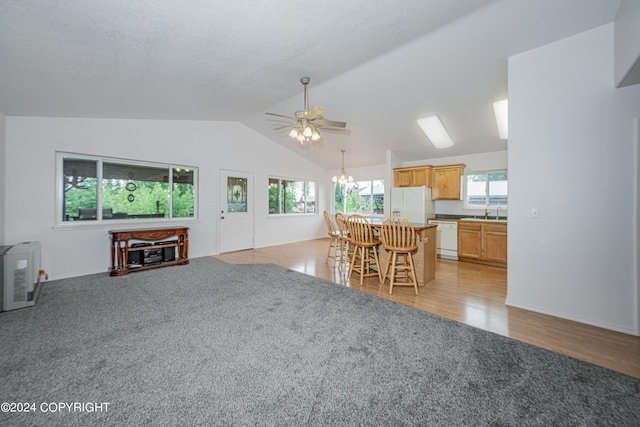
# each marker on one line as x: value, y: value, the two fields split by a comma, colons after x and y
x: 535, y: 213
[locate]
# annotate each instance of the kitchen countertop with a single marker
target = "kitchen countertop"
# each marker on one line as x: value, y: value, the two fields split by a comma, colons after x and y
x: 476, y: 218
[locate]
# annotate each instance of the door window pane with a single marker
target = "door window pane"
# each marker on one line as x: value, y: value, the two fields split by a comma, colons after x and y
x: 236, y: 194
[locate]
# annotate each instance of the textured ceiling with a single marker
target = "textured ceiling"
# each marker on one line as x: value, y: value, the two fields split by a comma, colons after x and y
x: 376, y: 64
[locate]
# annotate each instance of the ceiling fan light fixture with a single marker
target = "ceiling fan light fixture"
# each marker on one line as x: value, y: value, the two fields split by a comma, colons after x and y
x: 307, y: 121
x: 435, y: 131
x: 501, y: 110
x: 308, y: 132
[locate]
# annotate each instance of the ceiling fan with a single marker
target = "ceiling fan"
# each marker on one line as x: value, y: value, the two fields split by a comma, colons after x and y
x: 307, y: 122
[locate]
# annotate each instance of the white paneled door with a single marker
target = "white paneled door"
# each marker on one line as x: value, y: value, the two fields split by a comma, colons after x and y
x: 235, y: 222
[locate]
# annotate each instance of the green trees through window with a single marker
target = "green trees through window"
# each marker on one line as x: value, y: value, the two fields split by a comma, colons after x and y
x: 127, y: 191
x: 288, y: 196
x: 361, y: 197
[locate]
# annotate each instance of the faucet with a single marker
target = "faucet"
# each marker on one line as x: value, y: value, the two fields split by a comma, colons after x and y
x: 486, y: 214
x: 498, y: 213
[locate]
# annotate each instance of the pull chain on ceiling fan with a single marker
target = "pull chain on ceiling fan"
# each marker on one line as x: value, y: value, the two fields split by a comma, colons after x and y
x: 307, y: 122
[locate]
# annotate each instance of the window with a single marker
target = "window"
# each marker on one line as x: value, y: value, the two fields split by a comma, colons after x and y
x: 103, y: 189
x: 289, y: 196
x: 361, y: 197
x: 487, y: 189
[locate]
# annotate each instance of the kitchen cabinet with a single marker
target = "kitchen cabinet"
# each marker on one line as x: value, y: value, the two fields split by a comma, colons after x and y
x: 483, y: 242
x: 446, y: 182
x: 469, y: 240
x: 415, y: 176
x: 495, y: 243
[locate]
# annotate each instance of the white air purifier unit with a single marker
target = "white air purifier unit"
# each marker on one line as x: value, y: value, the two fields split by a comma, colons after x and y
x: 20, y: 275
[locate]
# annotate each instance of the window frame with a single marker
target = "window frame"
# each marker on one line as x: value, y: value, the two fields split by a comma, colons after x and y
x: 61, y: 156
x: 487, y: 204
x: 305, y: 183
x: 371, y: 212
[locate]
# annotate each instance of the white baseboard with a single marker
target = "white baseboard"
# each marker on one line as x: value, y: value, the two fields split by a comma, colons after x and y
x: 604, y: 325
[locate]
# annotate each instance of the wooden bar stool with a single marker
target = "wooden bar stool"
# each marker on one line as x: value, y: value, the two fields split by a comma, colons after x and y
x: 343, y: 239
x: 365, y: 248
x: 334, y: 245
x: 399, y: 240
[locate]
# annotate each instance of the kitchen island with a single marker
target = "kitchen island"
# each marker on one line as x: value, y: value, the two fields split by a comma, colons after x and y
x: 426, y: 256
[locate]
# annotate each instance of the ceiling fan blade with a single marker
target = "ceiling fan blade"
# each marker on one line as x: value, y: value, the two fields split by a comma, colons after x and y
x: 332, y: 123
x: 291, y: 125
x: 314, y: 112
x: 280, y: 115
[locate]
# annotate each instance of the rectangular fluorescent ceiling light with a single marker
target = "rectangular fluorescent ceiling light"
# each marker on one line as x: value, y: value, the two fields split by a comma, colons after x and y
x: 435, y: 131
x: 501, y: 110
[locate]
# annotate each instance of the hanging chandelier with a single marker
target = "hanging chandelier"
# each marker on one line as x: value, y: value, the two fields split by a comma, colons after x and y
x: 343, y: 178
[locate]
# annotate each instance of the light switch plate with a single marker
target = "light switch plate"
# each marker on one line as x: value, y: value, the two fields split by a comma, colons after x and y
x: 535, y: 213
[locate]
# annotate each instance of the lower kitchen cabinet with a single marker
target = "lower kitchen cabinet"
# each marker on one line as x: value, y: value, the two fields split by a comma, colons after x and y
x: 469, y: 240
x: 483, y: 242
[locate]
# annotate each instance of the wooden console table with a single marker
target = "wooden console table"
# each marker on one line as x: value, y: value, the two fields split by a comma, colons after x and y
x: 160, y: 238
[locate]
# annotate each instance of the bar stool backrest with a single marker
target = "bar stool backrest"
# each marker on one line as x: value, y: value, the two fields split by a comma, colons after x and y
x: 360, y: 231
x: 397, y: 234
x: 341, y: 221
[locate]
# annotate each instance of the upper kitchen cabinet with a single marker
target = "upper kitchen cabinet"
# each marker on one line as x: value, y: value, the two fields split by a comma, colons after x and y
x: 415, y: 176
x: 447, y: 182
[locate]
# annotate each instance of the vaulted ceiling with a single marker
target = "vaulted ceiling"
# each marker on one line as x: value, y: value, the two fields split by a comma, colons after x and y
x: 378, y: 65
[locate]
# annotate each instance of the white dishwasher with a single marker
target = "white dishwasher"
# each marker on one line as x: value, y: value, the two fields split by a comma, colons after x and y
x: 447, y: 238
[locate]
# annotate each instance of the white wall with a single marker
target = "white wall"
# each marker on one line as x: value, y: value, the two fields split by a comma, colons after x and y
x: 31, y: 144
x: 567, y: 123
x: 496, y: 160
x: 3, y: 178
x: 636, y: 251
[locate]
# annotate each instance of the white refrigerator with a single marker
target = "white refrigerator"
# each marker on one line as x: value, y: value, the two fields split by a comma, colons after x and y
x: 413, y: 203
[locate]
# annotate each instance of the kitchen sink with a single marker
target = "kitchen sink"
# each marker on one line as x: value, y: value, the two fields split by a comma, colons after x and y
x: 483, y: 219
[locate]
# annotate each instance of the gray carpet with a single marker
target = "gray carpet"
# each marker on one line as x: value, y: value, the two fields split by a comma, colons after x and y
x: 215, y: 344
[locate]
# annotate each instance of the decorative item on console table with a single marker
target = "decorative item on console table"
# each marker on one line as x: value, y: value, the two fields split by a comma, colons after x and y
x: 160, y: 247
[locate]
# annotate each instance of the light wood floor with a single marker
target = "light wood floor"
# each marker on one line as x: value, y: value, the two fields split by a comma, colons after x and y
x: 469, y: 293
